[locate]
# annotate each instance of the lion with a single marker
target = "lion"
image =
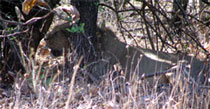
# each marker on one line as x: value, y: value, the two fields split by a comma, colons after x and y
x: 145, y: 61
x: 132, y: 60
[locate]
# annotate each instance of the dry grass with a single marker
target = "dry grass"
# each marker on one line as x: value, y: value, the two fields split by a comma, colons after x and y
x: 45, y: 88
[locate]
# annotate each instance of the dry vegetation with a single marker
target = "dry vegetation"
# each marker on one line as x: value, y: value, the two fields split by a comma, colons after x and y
x: 49, y: 83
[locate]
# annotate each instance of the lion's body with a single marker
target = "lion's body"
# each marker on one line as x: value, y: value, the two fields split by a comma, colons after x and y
x: 139, y: 60
x: 131, y: 59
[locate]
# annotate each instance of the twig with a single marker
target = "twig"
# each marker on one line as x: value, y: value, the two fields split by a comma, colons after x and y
x: 173, y: 70
x: 71, y: 85
x: 33, y: 20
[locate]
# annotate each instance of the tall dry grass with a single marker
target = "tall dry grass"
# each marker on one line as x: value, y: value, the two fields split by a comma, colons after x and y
x: 45, y: 87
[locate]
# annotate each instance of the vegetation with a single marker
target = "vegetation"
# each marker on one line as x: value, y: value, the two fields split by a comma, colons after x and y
x: 53, y: 54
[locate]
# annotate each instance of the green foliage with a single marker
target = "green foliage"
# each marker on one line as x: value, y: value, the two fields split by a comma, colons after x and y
x: 69, y: 19
x: 100, y: 8
x: 77, y: 29
x: 96, y: 3
x: 120, y: 17
x: 13, y: 38
x: 207, y: 18
x: 48, y: 81
x: 45, y: 80
x: 9, y: 29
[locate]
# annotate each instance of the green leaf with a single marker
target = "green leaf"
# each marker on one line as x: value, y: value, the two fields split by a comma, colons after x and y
x: 121, y: 17
x: 100, y: 8
x: 69, y: 19
x: 13, y: 37
x: 41, y: 76
x: 82, y: 25
x: 77, y: 29
x: 96, y: 3
x: 73, y: 29
x: 48, y: 81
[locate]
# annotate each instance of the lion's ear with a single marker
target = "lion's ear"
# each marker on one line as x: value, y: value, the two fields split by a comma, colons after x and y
x: 71, y: 10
